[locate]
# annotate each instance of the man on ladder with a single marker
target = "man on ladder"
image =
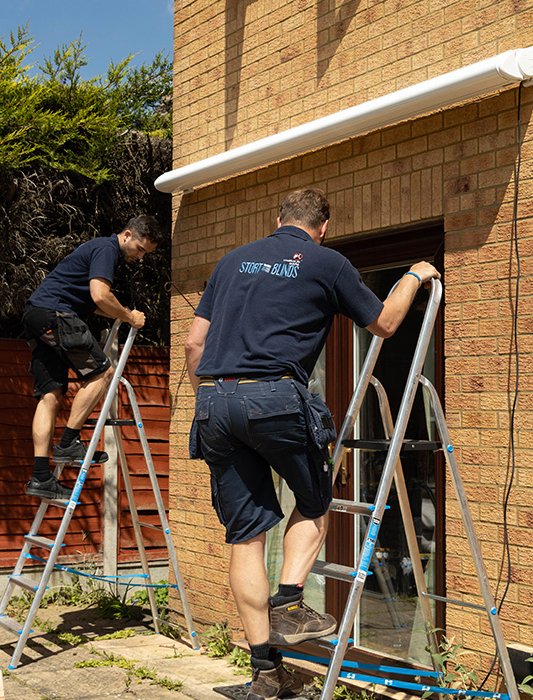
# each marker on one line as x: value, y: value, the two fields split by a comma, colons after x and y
x: 60, y: 339
x: 259, y: 329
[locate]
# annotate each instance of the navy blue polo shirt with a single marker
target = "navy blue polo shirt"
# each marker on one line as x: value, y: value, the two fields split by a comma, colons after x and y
x: 271, y: 303
x: 66, y: 288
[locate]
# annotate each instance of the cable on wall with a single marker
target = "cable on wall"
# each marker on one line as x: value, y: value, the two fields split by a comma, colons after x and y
x: 168, y: 289
x: 511, y: 461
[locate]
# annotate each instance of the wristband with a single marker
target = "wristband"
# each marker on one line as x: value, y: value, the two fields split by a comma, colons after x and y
x: 414, y: 275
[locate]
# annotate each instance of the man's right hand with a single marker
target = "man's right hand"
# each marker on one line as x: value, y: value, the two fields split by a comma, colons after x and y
x: 110, y: 306
x: 137, y: 319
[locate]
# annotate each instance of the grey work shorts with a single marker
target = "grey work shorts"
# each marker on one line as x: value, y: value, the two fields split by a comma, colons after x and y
x: 60, y: 340
x: 244, y: 429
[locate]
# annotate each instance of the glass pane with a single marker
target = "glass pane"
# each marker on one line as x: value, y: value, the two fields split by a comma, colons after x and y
x: 389, y: 620
x: 315, y: 588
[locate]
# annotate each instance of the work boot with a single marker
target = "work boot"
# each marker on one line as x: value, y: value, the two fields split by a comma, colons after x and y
x: 273, y: 683
x: 75, y: 452
x: 51, y: 488
x: 296, y: 622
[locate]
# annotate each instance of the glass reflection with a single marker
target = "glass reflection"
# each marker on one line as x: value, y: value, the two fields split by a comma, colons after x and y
x: 389, y: 620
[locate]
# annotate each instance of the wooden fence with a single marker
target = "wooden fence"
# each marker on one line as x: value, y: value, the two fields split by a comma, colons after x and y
x: 147, y: 371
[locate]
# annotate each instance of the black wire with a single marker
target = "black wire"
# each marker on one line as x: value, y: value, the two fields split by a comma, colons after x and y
x: 511, y: 463
x: 168, y: 287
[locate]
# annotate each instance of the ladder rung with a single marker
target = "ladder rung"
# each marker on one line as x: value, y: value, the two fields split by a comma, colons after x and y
x: 112, y: 421
x: 10, y: 624
x: 455, y: 601
x: 41, y: 541
x: 383, y: 445
x: 341, y: 506
x: 24, y: 582
x: 152, y: 527
x: 336, y: 571
x: 329, y: 642
x: 55, y: 502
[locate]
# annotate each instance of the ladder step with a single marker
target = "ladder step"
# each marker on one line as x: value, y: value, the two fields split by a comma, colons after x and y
x: 341, y: 506
x: 10, y: 624
x: 329, y: 642
x: 383, y: 445
x: 56, y: 502
x: 112, y: 421
x: 455, y: 601
x: 336, y: 571
x: 40, y: 541
x: 149, y: 525
x: 24, y: 582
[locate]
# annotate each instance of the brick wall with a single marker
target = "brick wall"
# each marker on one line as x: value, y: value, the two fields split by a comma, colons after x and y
x: 431, y: 168
x: 248, y: 69
x: 455, y: 166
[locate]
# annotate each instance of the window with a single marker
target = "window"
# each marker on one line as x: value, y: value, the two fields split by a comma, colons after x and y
x: 389, y: 622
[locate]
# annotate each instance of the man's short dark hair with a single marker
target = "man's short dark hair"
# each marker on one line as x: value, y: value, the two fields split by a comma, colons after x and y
x: 145, y: 226
x: 308, y: 207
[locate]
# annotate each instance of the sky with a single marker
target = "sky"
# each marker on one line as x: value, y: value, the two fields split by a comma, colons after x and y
x: 110, y: 29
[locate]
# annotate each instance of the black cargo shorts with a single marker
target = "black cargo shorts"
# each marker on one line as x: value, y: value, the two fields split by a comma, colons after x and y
x: 244, y: 429
x: 60, y: 340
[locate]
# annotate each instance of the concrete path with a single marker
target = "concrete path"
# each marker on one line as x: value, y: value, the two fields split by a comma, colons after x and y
x: 49, y: 670
x: 50, y: 666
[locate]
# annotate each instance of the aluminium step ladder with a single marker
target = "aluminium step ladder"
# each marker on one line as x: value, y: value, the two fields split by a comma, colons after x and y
x: 394, y: 443
x: 107, y: 416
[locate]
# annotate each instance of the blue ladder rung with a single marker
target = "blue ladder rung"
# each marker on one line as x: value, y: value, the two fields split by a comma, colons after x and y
x: 404, y: 685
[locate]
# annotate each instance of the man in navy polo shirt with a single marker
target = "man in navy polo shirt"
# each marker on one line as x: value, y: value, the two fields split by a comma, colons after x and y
x: 259, y: 329
x: 60, y: 339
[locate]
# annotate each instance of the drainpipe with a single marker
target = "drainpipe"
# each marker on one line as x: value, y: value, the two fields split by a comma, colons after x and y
x: 475, y: 80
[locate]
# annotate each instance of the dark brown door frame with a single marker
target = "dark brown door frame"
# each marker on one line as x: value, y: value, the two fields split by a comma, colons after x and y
x: 375, y: 252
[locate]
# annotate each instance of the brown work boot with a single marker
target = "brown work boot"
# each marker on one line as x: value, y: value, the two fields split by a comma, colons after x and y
x: 274, y: 683
x: 296, y: 622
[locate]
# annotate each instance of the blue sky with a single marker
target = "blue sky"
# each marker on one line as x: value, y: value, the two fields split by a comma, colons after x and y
x: 110, y: 29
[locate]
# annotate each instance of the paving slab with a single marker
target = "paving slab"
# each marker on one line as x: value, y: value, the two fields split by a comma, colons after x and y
x: 197, y: 671
x: 49, y: 668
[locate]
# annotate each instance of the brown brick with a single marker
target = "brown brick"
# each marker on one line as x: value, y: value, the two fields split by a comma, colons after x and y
x: 239, y: 78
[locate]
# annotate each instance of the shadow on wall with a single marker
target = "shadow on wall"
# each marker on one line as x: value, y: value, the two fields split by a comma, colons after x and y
x: 234, y: 39
x: 480, y: 195
x: 332, y: 22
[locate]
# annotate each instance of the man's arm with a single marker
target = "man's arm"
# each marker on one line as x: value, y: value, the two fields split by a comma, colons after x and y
x: 194, y: 347
x: 397, y: 304
x: 107, y: 303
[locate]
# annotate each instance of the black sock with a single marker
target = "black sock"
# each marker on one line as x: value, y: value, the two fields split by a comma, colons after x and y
x: 68, y: 437
x: 264, y: 656
x: 41, y: 469
x: 287, y: 593
x: 260, y: 651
